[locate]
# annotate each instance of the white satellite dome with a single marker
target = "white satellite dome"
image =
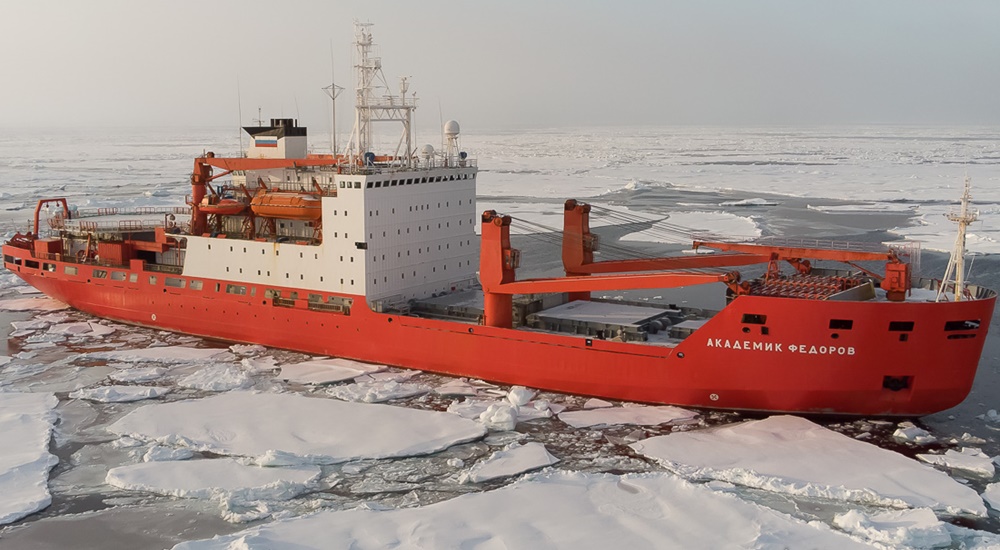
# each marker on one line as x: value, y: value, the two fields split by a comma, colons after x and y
x: 427, y: 151
x: 451, y: 128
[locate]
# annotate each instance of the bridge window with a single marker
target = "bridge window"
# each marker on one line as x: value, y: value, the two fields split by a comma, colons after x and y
x: 70, y: 270
x: 117, y: 275
x: 173, y: 282
x: 100, y: 274
x: 196, y: 285
x: 236, y: 289
x: 901, y: 326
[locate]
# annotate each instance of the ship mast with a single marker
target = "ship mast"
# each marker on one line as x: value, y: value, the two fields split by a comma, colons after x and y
x: 371, y: 108
x: 956, y: 263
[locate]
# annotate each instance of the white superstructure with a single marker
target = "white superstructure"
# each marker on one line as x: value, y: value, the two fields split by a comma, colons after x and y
x: 393, y: 228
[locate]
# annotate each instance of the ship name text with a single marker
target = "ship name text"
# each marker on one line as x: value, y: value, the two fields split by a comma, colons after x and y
x: 779, y: 347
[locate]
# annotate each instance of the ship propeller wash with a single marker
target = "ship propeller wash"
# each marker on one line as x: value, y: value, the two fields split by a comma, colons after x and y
x: 375, y: 257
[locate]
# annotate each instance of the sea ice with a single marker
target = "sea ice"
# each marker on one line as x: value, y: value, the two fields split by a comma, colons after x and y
x: 41, y: 303
x: 323, y: 431
x: 969, y: 459
x: 247, y: 349
x: 222, y: 479
x: 217, y: 378
x: 910, y: 433
x: 161, y: 453
x: 642, y: 416
x: 83, y: 328
x: 501, y: 415
x: 119, y: 394
x: 163, y: 354
x: 259, y: 364
x: 26, y: 421
x: 326, y: 371
x: 377, y: 391
x: 4, y: 359
x: 992, y: 495
x: 595, y: 403
x: 792, y: 455
x: 459, y: 388
x: 917, y: 528
x: 137, y: 376
x: 512, y: 461
x: 575, y: 511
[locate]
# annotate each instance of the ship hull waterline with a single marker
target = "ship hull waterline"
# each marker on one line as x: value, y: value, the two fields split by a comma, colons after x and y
x: 795, y: 363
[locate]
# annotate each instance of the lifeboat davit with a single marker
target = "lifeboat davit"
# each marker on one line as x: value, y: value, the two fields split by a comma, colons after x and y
x: 287, y: 205
x: 225, y: 207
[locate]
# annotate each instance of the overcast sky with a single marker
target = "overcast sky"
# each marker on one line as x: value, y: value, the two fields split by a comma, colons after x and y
x: 505, y: 64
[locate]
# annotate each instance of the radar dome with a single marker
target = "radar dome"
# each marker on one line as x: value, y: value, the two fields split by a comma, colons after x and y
x: 451, y: 128
x: 427, y: 151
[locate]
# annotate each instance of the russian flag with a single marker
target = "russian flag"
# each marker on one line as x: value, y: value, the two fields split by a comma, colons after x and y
x: 265, y: 141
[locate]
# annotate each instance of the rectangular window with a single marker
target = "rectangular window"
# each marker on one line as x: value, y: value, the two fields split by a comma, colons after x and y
x: 901, y: 326
x: 196, y: 285
x: 133, y: 277
x: 100, y: 274
x: 315, y: 298
x: 31, y: 263
x: 971, y: 324
x: 69, y: 270
x: 236, y: 289
x: 174, y: 282
x: 841, y: 324
x: 272, y: 293
x: 117, y: 275
x: 357, y: 185
x: 754, y: 319
x: 152, y: 279
x: 369, y: 186
x: 49, y: 267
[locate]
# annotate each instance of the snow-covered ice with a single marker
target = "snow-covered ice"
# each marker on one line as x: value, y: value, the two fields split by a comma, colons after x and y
x: 222, y: 377
x: 223, y: 479
x: 83, y: 328
x: 595, y: 403
x: 511, y: 461
x: 792, y: 455
x: 321, y: 430
x: 40, y: 303
x: 138, y: 375
x: 910, y: 433
x: 163, y: 354
x: 376, y: 391
x: 26, y: 421
x: 326, y: 371
x: 640, y: 415
x: 119, y: 394
x: 575, y: 511
x: 917, y: 528
x: 968, y: 459
x: 992, y: 495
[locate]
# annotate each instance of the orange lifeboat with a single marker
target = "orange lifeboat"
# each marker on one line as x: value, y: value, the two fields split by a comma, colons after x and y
x: 225, y: 207
x: 286, y: 205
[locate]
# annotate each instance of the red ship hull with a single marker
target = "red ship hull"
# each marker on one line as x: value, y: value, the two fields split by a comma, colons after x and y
x: 794, y: 363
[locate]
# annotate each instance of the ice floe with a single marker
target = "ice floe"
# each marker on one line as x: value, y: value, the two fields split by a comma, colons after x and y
x: 511, y: 461
x: 39, y: 303
x: 992, y: 495
x: 376, y: 391
x: 918, y: 528
x: 640, y: 415
x: 326, y: 371
x: 222, y: 479
x: 221, y: 377
x: 968, y: 459
x: 910, y: 433
x: 323, y: 431
x: 792, y: 455
x: 26, y: 421
x: 595, y: 403
x: 119, y: 394
x: 163, y: 354
x: 83, y: 328
x: 558, y: 510
x: 247, y: 349
x: 138, y: 375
